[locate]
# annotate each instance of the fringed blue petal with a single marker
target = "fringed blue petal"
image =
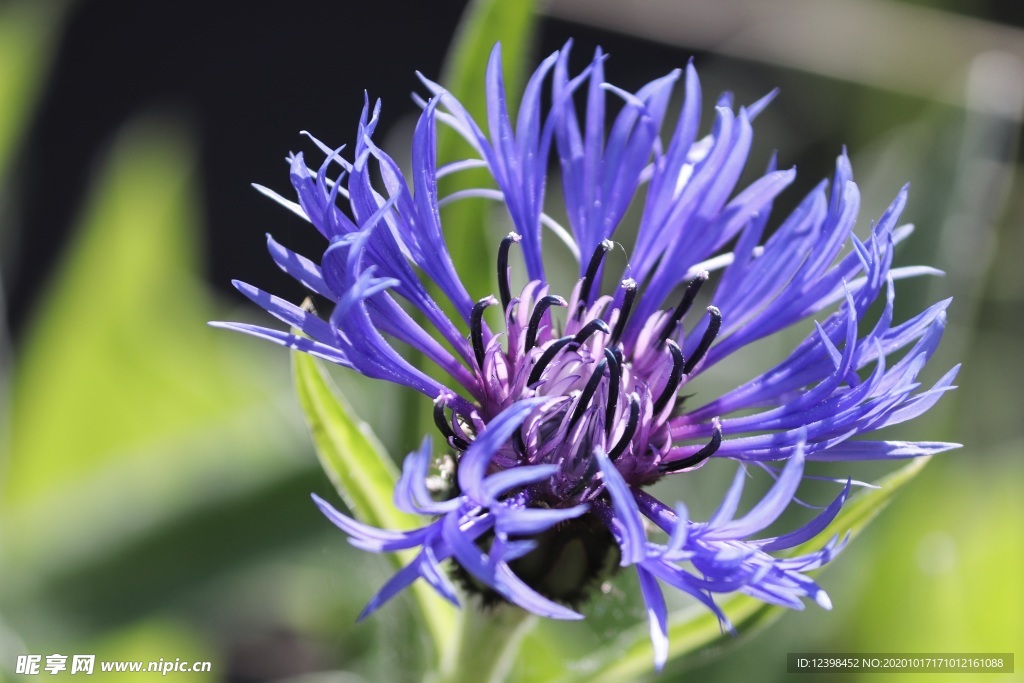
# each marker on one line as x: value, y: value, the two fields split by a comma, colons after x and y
x: 474, y: 462
x: 768, y: 509
x: 657, y: 615
x: 625, y: 521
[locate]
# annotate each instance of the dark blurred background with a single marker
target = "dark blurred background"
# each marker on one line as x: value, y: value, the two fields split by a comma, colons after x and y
x: 247, y: 77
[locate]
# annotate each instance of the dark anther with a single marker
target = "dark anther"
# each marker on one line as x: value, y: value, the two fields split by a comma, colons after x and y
x: 476, y: 329
x: 684, y: 305
x: 588, y: 393
x: 631, y: 425
x: 589, y: 329
x: 705, y: 342
x: 503, y: 288
x: 698, y: 457
x: 538, y: 313
x: 446, y: 429
x: 627, y: 305
x: 614, y: 377
x: 545, y: 359
x: 674, y: 377
x: 591, y: 274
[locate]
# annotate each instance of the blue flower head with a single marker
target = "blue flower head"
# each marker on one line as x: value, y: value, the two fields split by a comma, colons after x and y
x: 557, y: 419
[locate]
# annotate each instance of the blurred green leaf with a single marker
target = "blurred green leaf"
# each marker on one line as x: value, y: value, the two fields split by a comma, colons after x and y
x: 27, y: 32
x: 352, y: 456
x: 128, y: 410
x: 165, y: 567
x: 862, y: 508
x: 469, y: 234
x: 365, y: 476
x: 485, y: 23
x: 959, y: 587
x: 695, y: 628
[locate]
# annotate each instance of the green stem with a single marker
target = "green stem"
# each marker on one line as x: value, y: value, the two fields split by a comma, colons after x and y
x: 490, y: 640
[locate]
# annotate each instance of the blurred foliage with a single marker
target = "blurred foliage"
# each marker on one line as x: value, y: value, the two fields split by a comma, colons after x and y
x: 153, y: 640
x: 27, y: 32
x: 486, y: 23
x: 365, y: 476
x: 132, y: 422
x: 695, y: 627
x: 115, y: 365
x: 128, y: 412
x: 468, y: 233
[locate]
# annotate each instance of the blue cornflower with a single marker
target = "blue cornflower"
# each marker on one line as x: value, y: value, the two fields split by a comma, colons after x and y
x: 559, y: 421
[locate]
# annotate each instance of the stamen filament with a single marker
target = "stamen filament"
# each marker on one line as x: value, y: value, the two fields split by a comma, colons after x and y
x: 589, y: 329
x: 476, y: 329
x: 446, y: 429
x: 591, y: 274
x: 549, y: 355
x: 614, y: 378
x: 588, y: 393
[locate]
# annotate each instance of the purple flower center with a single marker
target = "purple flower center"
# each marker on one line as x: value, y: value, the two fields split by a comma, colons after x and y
x: 605, y: 393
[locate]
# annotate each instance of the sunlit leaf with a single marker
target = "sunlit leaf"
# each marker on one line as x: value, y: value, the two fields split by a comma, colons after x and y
x: 975, y: 528
x: 469, y: 224
x: 128, y: 410
x: 695, y: 628
x: 365, y: 477
x: 486, y: 22
x: 27, y: 32
x: 352, y: 456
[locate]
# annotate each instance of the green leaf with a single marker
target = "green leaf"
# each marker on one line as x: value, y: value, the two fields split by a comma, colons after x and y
x: 485, y: 23
x: 28, y: 29
x: 352, y: 456
x: 469, y: 224
x: 630, y: 658
x: 365, y: 477
x: 128, y: 411
x: 862, y: 508
x: 931, y: 598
